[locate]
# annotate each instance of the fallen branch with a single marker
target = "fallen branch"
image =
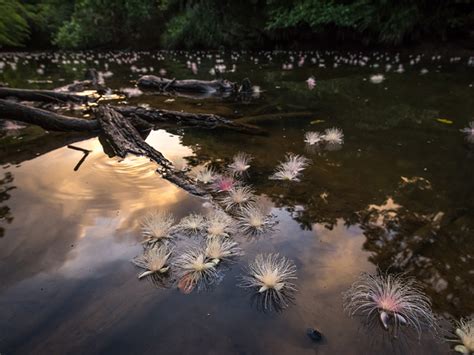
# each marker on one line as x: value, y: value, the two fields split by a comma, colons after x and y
x: 157, y: 116
x: 124, y: 139
x: 45, y: 119
x: 151, y: 82
x: 41, y: 95
x: 86, y: 152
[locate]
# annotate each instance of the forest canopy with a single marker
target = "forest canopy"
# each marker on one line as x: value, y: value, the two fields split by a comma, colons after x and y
x: 244, y: 24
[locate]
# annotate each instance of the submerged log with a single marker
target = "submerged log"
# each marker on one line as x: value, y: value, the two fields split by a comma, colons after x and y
x: 45, y: 119
x: 204, y: 120
x: 92, y: 81
x: 125, y: 139
x: 41, y: 95
x: 151, y: 82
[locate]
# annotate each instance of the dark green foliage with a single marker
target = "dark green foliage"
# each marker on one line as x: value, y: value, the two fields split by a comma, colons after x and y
x: 103, y: 23
x: 383, y: 21
x: 228, y: 23
x: 214, y: 23
x: 14, y: 30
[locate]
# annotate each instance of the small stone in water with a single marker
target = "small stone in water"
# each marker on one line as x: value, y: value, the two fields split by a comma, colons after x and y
x: 314, y: 334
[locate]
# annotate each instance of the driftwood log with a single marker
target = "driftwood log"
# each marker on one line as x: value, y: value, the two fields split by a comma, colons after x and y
x: 120, y: 127
x: 41, y: 95
x: 141, y: 118
x: 48, y: 120
x: 188, y: 119
x: 124, y: 139
x: 155, y: 83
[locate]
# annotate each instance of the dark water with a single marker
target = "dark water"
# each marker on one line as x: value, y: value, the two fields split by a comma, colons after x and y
x: 398, y: 195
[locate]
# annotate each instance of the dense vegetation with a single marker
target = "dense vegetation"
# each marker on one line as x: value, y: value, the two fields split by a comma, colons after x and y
x: 229, y: 23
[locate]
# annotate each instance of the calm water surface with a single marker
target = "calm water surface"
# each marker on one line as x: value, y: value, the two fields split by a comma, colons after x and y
x: 398, y: 195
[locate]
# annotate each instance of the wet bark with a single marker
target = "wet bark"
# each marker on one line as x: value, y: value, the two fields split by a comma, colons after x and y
x: 123, y: 138
x: 48, y: 120
x: 151, y: 82
x: 41, y: 95
x: 188, y: 119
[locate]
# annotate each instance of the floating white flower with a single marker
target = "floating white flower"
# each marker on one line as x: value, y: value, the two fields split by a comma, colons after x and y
x: 396, y: 301
x: 334, y: 136
x: 469, y: 131
x: 465, y: 332
x: 291, y: 168
x: 205, y: 175
x: 377, y: 79
x: 240, y: 163
x: 157, y: 226
x: 219, y: 225
x: 192, y: 223
x: 238, y: 196
x: 271, y: 275
x: 218, y: 250
x: 192, y: 268
x: 312, y: 138
x: 153, y: 260
x: 253, y: 219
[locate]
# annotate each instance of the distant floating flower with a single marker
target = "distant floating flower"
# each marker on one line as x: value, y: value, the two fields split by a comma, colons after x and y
x: 334, y: 136
x: 153, y: 260
x: 271, y: 275
x: 312, y: 138
x: 238, y: 196
x: 240, y: 163
x: 465, y: 332
x: 192, y: 223
x: 377, y: 79
x: 394, y: 299
x: 205, y: 175
x: 194, y: 68
x: 256, y: 91
x: 253, y: 219
x: 469, y: 131
x: 157, y: 226
x: 296, y: 162
x: 222, y: 250
x: 219, y: 225
x: 224, y: 183
x: 311, y: 82
x: 193, y: 268
x: 131, y: 92
x: 291, y: 168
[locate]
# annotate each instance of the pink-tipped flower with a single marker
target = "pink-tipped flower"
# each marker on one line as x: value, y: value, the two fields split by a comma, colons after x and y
x: 224, y: 183
x: 395, y: 299
x: 311, y: 82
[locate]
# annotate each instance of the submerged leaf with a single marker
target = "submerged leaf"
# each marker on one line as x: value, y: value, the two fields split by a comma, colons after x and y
x: 444, y: 120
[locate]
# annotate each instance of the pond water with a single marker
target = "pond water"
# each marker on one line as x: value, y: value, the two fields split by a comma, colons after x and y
x: 398, y: 195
